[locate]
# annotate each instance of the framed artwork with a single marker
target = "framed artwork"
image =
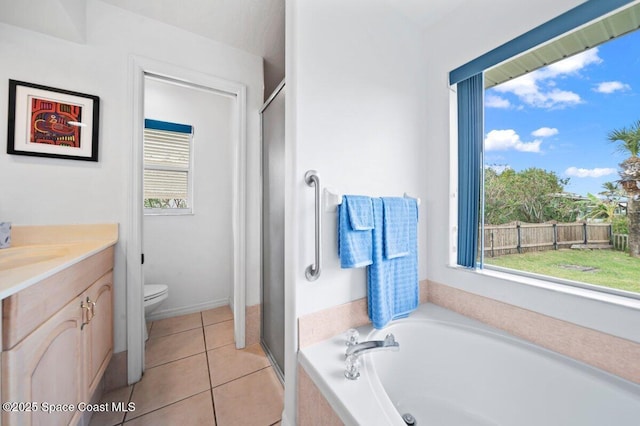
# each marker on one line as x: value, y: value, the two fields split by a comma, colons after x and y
x: 48, y: 122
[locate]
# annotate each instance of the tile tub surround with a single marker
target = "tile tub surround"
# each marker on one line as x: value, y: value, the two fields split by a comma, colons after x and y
x: 364, y: 401
x: 321, y: 325
x: 609, y: 353
x: 313, y: 408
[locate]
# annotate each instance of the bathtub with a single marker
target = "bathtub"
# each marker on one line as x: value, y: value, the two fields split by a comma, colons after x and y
x: 452, y: 370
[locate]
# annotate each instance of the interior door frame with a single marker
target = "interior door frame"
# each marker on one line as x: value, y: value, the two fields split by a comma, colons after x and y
x: 139, y: 67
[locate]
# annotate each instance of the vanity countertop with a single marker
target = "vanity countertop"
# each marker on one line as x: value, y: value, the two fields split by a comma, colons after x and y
x: 38, y: 252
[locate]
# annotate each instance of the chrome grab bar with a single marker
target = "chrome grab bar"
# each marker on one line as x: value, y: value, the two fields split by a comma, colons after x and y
x: 313, y: 271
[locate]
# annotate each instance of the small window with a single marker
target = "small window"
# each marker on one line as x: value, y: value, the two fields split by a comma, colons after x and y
x: 167, y: 167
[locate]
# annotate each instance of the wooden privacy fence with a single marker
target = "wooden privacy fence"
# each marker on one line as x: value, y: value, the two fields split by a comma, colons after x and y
x: 519, y: 237
x: 620, y: 242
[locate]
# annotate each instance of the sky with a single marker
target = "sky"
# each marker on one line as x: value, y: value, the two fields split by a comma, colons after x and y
x: 557, y: 118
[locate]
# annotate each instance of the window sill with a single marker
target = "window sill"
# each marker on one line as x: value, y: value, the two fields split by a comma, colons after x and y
x: 604, y: 312
x: 168, y: 212
x: 574, y: 288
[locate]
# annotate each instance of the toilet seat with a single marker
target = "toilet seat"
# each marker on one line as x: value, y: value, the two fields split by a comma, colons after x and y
x: 154, y: 291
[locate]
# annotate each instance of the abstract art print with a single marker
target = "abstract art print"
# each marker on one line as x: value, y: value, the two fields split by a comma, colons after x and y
x: 49, y: 122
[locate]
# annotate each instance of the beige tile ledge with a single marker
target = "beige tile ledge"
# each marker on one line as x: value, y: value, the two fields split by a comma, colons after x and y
x: 38, y: 252
x: 321, y: 325
x: 612, y: 354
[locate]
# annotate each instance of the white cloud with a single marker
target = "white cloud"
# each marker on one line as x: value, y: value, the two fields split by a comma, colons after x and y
x: 503, y: 140
x: 611, y: 86
x: 493, y: 101
x: 594, y: 173
x: 538, y: 88
x: 544, y: 132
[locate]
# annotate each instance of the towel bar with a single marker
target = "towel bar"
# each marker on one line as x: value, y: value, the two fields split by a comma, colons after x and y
x: 313, y: 271
x: 332, y: 199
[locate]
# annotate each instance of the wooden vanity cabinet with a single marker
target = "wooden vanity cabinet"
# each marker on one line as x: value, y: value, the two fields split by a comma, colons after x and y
x: 63, y: 359
x: 98, y: 333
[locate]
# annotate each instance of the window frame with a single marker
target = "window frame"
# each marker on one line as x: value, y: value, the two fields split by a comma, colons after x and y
x: 590, y: 11
x: 176, y: 128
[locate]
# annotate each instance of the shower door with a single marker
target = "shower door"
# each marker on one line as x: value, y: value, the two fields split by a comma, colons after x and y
x: 272, y: 335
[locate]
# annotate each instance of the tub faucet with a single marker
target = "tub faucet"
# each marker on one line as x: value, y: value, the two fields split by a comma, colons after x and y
x: 354, y: 350
x: 389, y: 343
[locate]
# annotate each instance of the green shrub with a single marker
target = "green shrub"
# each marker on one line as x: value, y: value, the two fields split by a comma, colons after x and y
x: 620, y: 225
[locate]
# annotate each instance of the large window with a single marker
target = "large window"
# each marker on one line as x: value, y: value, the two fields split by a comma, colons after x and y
x: 167, y: 168
x: 551, y: 199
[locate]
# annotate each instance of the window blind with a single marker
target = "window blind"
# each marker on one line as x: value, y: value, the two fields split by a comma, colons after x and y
x: 166, y: 160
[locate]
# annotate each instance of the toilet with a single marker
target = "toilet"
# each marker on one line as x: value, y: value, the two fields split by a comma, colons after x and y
x: 154, y: 295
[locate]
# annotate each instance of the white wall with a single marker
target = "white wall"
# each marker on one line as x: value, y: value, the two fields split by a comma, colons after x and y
x: 192, y: 254
x: 356, y: 103
x: 51, y: 191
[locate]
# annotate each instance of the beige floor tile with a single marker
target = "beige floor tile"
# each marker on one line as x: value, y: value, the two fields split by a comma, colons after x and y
x: 228, y: 363
x: 111, y: 418
x: 196, y: 410
x: 173, y: 347
x: 169, y: 383
x: 256, y: 399
x: 220, y: 334
x: 168, y: 326
x: 214, y: 316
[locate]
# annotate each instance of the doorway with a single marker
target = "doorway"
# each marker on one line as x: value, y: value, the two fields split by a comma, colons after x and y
x: 140, y: 69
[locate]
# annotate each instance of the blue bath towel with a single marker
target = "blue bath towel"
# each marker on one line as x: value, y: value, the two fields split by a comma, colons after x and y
x: 393, y: 283
x: 360, y: 212
x: 396, y: 227
x: 355, y: 242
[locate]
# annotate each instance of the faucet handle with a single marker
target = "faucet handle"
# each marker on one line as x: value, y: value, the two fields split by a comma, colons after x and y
x: 390, y: 342
x: 352, y: 367
x: 352, y: 336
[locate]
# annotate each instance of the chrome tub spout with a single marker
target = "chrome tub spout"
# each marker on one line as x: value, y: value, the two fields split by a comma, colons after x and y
x: 389, y: 343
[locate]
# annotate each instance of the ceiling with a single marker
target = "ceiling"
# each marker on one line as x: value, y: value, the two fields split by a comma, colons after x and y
x: 254, y: 26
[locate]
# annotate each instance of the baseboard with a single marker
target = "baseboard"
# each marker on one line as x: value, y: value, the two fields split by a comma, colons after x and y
x: 184, y: 310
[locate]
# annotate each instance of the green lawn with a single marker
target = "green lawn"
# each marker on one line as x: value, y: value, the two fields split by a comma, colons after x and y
x: 601, y: 267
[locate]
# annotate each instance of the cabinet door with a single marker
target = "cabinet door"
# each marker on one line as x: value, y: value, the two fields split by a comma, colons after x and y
x: 46, y: 367
x: 98, y: 334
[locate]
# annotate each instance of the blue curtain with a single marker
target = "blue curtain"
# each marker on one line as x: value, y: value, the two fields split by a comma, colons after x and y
x: 470, y: 140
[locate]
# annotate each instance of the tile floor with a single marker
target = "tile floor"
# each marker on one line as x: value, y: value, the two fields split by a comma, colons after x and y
x: 195, y: 376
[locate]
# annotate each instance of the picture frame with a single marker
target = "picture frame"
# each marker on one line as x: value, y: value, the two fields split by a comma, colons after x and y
x: 49, y: 122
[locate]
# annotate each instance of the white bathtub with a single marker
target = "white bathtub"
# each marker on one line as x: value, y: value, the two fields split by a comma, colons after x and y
x: 455, y: 371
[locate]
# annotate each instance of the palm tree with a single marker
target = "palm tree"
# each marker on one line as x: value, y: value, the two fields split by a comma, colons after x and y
x: 628, y: 140
x: 611, y: 191
x: 601, y: 209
